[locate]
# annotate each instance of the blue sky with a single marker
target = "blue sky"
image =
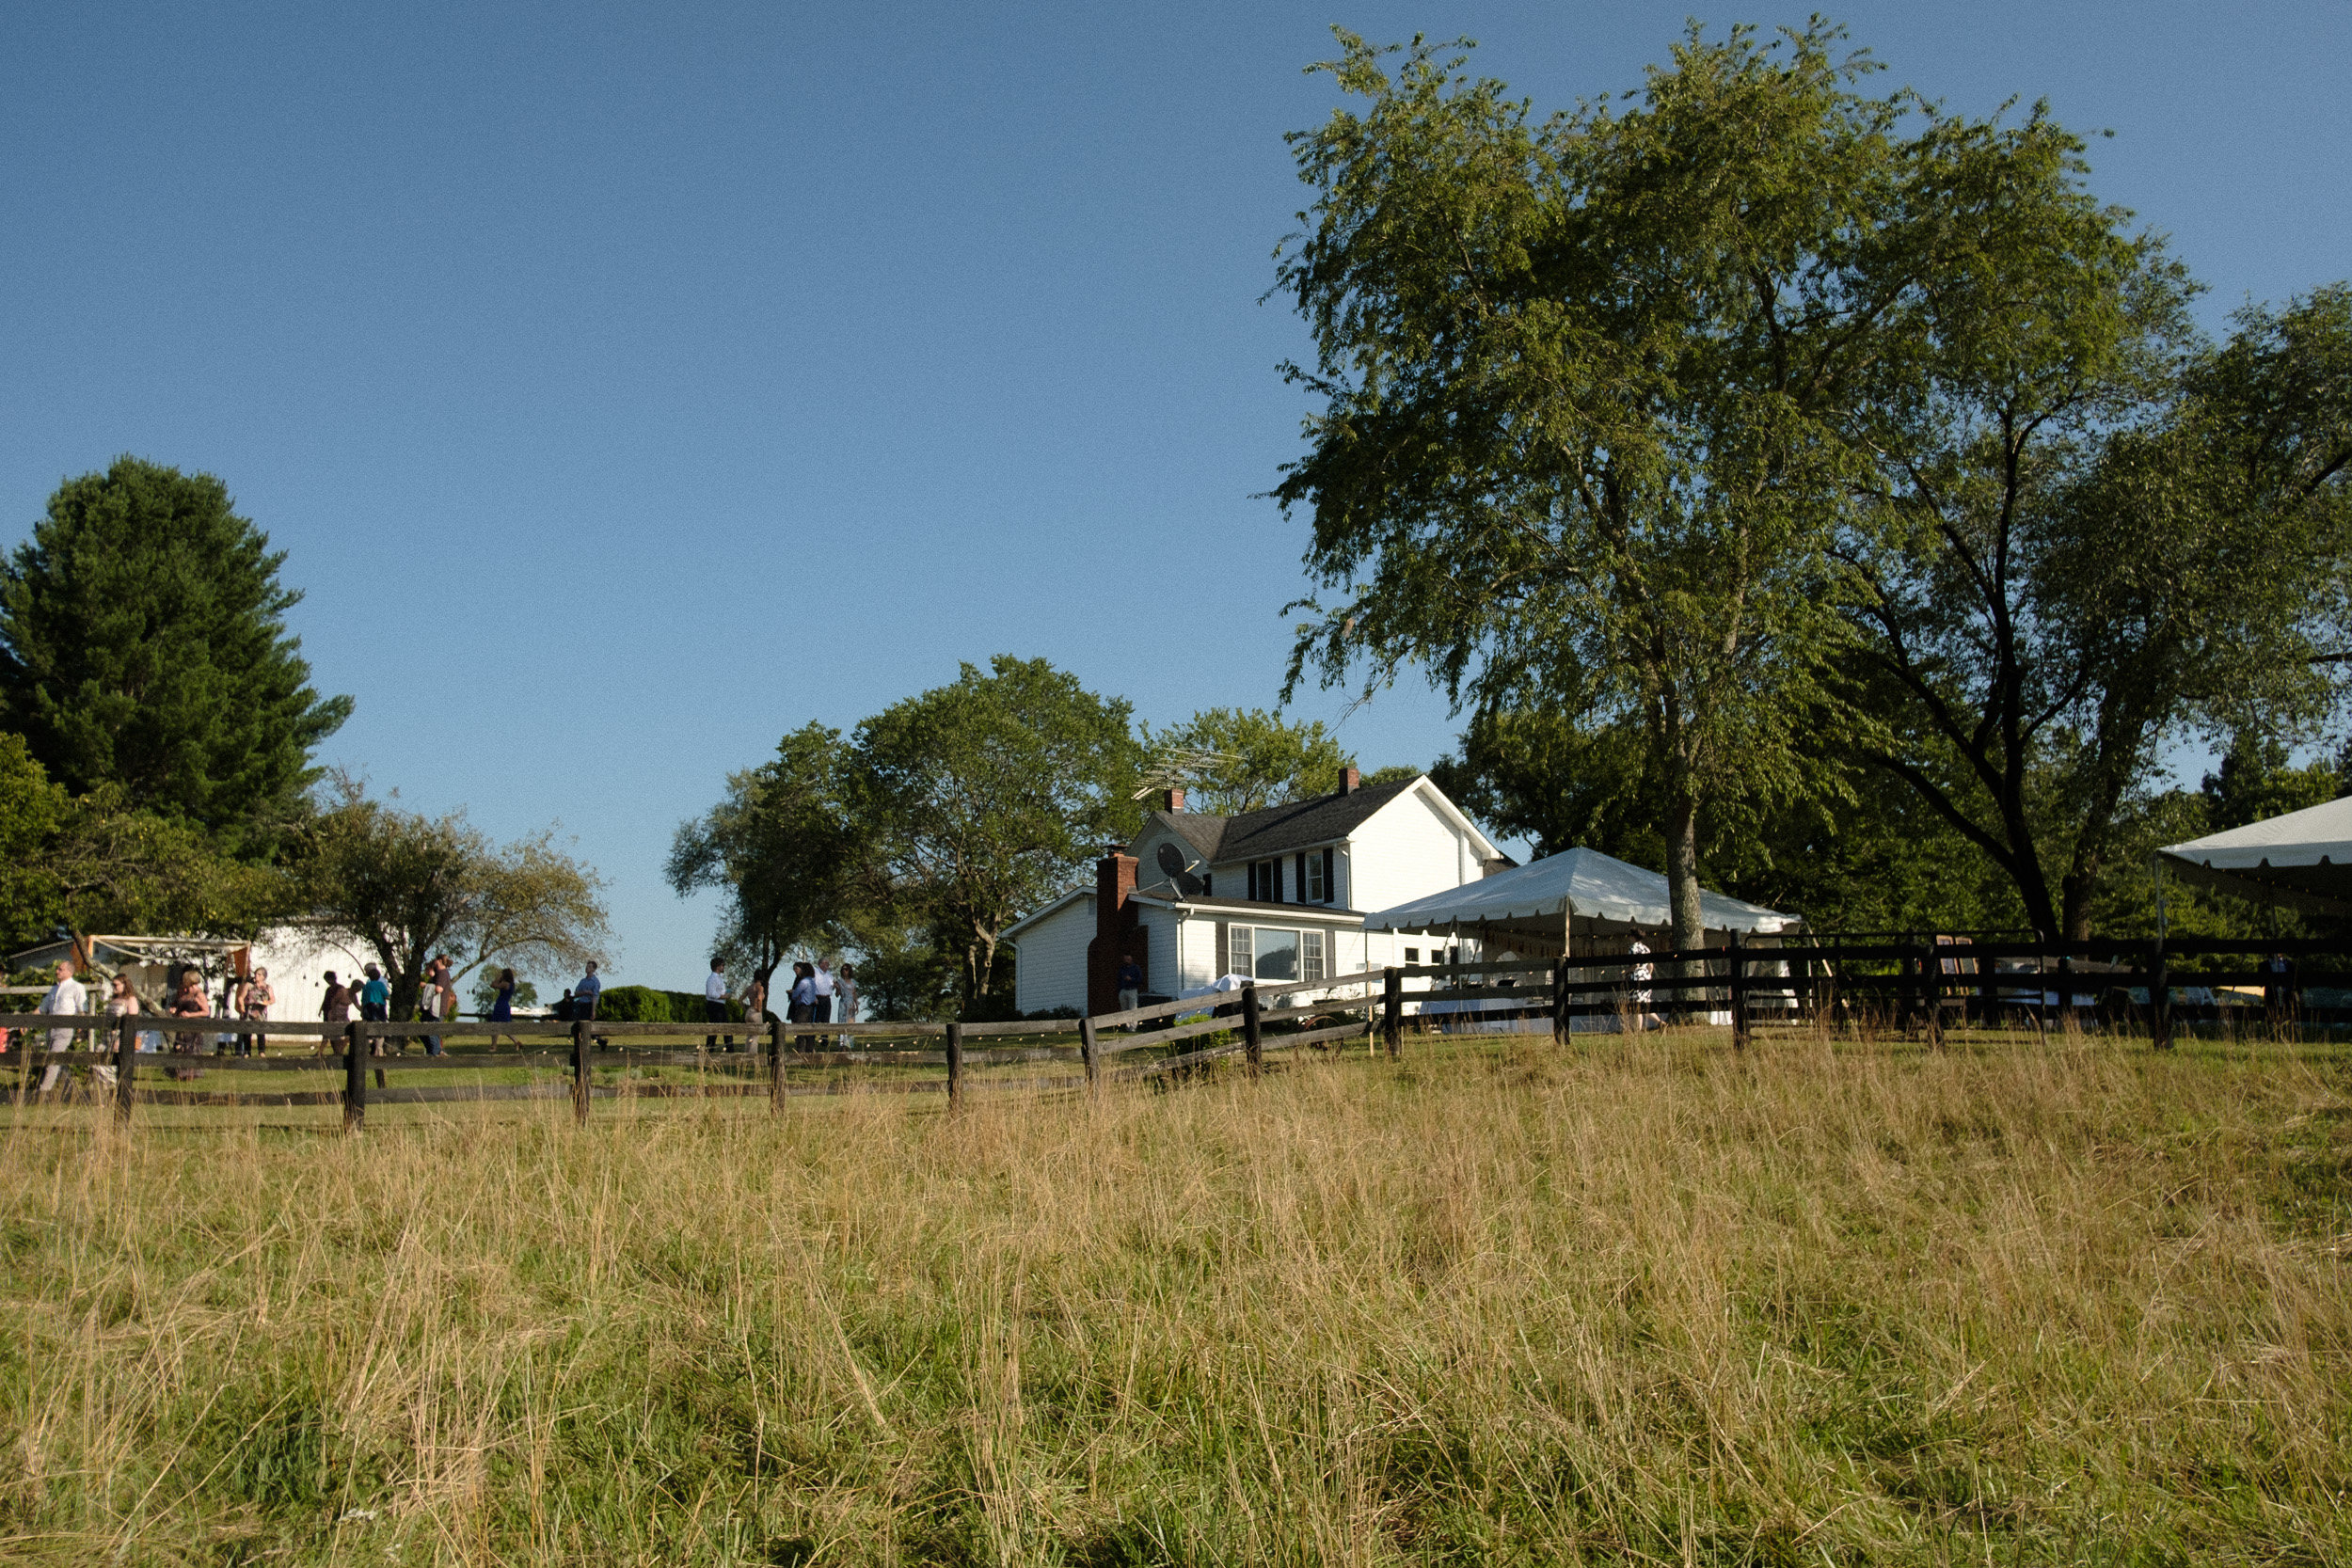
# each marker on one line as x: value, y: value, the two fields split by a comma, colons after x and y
x: 632, y: 384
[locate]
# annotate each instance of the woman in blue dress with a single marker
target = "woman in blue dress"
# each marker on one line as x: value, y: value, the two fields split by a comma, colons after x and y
x: 502, y: 1007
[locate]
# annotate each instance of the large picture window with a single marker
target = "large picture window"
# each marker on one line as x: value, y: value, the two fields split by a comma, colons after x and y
x: 1277, y: 954
x: 1262, y: 953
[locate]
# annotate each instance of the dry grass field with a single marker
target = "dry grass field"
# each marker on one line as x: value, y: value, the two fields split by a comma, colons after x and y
x: 1642, y: 1300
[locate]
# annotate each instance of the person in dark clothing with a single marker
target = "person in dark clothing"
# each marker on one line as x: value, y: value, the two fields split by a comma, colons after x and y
x: 1129, y: 985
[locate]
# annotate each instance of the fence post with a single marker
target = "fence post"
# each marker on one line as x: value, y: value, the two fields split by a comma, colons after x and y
x: 1931, y: 990
x: 2066, y: 987
x: 355, y: 1076
x: 126, y: 1053
x: 579, y: 1071
x: 1988, y: 991
x: 1560, y: 1002
x: 1392, y: 1007
x: 1739, y: 994
x: 775, y: 1066
x: 1088, y: 1052
x: 1253, y: 1043
x: 2159, y: 999
x: 955, y: 1066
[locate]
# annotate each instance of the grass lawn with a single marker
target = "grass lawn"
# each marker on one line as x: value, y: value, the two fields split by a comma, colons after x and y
x: 1641, y: 1300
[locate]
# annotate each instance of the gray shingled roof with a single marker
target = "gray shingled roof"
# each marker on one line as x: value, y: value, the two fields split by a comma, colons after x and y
x: 1277, y: 829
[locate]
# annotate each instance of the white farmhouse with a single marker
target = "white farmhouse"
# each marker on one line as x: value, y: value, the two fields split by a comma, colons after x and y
x: 1274, y: 894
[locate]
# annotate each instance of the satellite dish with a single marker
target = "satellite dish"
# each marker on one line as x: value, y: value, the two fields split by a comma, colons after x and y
x: 1180, y: 871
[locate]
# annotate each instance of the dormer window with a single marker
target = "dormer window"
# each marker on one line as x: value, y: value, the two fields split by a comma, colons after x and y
x: 1265, y: 881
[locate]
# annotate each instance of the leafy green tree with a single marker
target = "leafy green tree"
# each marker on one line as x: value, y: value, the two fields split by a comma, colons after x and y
x: 987, y: 796
x: 411, y: 887
x: 143, y: 645
x: 1873, y: 857
x: 1576, y: 452
x: 2087, y: 533
x: 904, y: 971
x: 94, y: 862
x: 31, y: 811
x: 1231, y: 760
x: 787, y: 849
x: 2257, y: 779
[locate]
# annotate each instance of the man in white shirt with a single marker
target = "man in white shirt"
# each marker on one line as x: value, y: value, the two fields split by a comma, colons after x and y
x: 67, y: 996
x: 715, y: 1002
x: 821, y: 1012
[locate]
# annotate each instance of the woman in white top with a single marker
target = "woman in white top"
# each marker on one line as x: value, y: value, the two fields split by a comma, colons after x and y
x: 846, y: 1006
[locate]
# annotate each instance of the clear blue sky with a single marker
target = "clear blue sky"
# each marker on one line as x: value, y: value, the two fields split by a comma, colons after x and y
x: 632, y: 383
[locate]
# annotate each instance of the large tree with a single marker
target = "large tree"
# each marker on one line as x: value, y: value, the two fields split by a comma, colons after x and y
x: 2088, y: 532
x: 1231, y: 760
x: 1573, y: 454
x: 410, y: 886
x: 987, y: 796
x: 143, y: 645
x: 94, y: 862
x: 787, y: 849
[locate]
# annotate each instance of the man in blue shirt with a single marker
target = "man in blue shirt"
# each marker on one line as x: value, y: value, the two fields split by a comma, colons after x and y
x: 584, y: 994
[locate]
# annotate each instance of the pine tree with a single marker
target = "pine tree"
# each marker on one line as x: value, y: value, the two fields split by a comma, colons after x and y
x: 143, y: 643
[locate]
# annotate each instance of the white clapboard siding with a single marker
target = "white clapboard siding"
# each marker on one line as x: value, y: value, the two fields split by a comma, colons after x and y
x: 1050, y: 958
x: 1407, y: 849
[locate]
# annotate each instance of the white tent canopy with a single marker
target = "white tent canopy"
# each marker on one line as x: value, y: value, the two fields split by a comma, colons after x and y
x: 2302, y: 858
x: 1583, y: 883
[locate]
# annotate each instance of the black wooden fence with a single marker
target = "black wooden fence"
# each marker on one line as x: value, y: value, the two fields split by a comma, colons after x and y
x: 367, y: 1055
x: 1922, y: 987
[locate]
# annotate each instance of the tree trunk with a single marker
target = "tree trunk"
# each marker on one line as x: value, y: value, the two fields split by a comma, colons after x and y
x: 1682, y: 874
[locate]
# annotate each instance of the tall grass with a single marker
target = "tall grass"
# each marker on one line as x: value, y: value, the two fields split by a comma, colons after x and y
x: 1641, y: 1300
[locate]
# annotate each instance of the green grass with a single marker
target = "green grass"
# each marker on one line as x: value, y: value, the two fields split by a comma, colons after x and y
x: 1643, y: 1300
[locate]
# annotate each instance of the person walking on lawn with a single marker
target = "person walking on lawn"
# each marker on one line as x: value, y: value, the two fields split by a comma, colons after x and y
x: 66, y: 996
x: 502, y: 1007
x: 255, y: 1005
x: 334, y: 1009
x: 801, y: 1001
x: 429, y: 1008
x: 1130, y: 986
x: 374, y: 997
x: 848, y: 1009
x: 822, y: 989
x: 190, y: 1003
x: 715, y: 1002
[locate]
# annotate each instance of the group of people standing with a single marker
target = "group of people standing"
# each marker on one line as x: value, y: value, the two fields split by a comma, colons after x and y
x: 437, y: 1001
x: 816, y: 991
x: 244, y: 997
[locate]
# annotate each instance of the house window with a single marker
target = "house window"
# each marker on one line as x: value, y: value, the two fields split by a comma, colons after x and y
x: 1314, y: 876
x: 1311, y: 966
x: 1265, y: 881
x: 1241, y: 957
x: 1276, y: 955
x: 1412, y: 955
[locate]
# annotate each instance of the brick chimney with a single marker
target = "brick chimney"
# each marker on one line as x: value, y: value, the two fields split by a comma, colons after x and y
x: 1351, y: 780
x: 1171, y: 799
x: 1117, y: 934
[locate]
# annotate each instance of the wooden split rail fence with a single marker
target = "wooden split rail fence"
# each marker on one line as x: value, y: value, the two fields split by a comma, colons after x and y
x: 1917, y: 985
x: 367, y: 1055
x: 1920, y: 985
